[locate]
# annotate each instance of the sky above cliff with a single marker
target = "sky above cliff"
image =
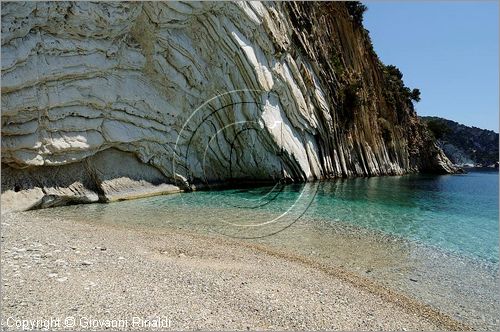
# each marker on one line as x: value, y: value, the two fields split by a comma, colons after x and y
x: 449, y: 50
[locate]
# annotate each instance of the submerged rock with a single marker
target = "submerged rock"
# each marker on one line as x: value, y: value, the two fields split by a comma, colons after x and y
x: 113, y: 100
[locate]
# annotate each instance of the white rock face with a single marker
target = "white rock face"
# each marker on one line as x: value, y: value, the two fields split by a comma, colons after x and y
x: 197, y: 91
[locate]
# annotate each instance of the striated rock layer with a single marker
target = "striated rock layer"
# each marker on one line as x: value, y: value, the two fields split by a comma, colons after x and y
x: 109, y: 100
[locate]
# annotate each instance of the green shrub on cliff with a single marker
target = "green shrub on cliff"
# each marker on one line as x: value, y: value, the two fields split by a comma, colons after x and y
x: 356, y: 9
x: 396, y: 93
x: 415, y: 95
x: 438, y: 128
x: 393, y: 73
x: 386, y: 129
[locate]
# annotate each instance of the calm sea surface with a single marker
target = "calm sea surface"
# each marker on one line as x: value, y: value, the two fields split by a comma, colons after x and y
x: 458, y: 213
x: 433, y: 237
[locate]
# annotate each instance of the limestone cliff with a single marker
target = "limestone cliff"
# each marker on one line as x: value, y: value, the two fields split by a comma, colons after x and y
x: 102, y: 101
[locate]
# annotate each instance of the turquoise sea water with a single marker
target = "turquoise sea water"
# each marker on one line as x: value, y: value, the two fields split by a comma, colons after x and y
x: 432, y: 237
x: 458, y: 213
x: 453, y: 212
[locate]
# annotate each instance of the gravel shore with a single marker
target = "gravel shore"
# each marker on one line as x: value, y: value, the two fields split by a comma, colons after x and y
x: 87, y: 276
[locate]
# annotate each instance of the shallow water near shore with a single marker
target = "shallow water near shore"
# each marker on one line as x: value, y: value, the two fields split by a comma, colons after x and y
x: 434, y: 238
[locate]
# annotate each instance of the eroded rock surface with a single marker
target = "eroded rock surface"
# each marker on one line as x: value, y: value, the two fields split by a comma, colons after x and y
x: 110, y: 100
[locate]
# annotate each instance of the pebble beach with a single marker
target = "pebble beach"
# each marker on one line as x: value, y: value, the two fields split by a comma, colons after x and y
x: 100, y: 275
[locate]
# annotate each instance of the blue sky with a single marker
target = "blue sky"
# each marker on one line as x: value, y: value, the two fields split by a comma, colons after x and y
x: 447, y: 49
